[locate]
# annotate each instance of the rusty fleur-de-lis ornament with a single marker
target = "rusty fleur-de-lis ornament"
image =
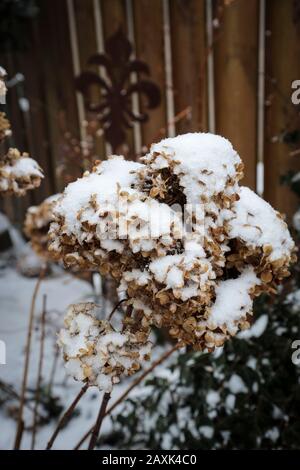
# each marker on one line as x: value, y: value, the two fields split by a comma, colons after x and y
x: 114, y: 109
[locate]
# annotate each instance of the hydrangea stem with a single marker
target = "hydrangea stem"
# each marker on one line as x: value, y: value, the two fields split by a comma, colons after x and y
x: 97, y: 427
x: 66, y: 416
x: 39, y: 376
x: 20, y: 425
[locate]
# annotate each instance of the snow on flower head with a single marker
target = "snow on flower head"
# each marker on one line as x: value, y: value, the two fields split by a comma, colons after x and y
x: 95, y: 353
x: 215, y: 247
x: 95, y: 210
x: 19, y: 173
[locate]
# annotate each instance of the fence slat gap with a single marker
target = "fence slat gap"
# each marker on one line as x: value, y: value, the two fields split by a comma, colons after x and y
x: 100, y: 49
x: 261, y: 99
x: 210, y: 68
x: 168, y: 70
x: 76, y: 64
x: 133, y: 77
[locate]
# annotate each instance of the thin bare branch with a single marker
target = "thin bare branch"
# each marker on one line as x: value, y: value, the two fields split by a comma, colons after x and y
x: 100, y: 417
x: 39, y: 376
x: 20, y: 425
x: 66, y: 416
x: 115, y: 308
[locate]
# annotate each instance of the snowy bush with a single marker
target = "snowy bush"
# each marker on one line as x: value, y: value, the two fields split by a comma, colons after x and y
x: 245, y: 397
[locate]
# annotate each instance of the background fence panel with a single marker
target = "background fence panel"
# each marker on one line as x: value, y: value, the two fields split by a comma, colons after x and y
x: 282, y: 67
x: 149, y: 36
x: 170, y: 36
x: 236, y: 81
x: 189, y: 53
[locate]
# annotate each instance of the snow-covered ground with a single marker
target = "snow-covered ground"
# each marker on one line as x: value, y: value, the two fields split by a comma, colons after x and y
x: 61, y: 290
x: 16, y: 293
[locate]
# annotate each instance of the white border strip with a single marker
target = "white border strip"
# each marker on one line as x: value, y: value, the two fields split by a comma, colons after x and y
x: 168, y: 70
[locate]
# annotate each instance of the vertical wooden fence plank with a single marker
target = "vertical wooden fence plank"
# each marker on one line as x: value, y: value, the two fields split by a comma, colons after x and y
x: 54, y: 55
x: 87, y: 45
x: 36, y: 125
x: 236, y: 81
x: 114, y: 18
x: 150, y: 48
x: 282, y: 67
x: 189, y: 63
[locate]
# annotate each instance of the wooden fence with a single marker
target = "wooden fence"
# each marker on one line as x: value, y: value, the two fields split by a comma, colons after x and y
x: 224, y: 66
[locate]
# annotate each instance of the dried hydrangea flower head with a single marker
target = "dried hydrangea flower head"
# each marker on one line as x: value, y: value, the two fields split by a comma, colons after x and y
x: 95, y: 209
x: 18, y: 173
x: 224, y: 239
x: 4, y: 127
x: 37, y: 223
x: 95, y: 353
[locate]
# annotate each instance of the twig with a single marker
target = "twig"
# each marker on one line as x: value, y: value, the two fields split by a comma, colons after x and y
x: 20, y: 425
x: 19, y: 434
x: 115, y: 308
x: 66, y: 416
x: 100, y: 417
x: 131, y: 387
x: 39, y: 376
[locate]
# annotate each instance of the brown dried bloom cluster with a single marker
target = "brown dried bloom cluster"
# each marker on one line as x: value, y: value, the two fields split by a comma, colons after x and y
x: 19, y: 173
x: 198, y: 247
x: 4, y: 127
x: 37, y: 224
x: 100, y: 207
x: 95, y: 353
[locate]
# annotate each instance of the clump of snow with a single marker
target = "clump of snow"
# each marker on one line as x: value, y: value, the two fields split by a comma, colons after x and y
x: 204, y: 162
x: 206, y: 431
x: 236, y: 385
x: 228, y: 309
x: 213, y: 398
x: 105, y: 183
x: 257, y: 329
x: 293, y: 299
x: 256, y: 223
